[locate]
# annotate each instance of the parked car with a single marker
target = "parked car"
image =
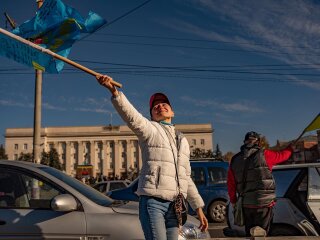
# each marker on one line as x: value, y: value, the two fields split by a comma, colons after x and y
x: 126, y: 194
x: 40, y: 202
x: 296, y: 212
x: 210, y: 178
x: 107, y: 186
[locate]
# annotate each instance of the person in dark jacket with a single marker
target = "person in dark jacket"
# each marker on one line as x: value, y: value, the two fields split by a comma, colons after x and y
x: 252, y: 166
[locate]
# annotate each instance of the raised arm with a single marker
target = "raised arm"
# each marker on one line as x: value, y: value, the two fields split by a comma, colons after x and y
x: 105, y: 81
x: 140, y: 125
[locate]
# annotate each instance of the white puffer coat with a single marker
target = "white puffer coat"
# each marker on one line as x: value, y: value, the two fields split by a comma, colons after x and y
x: 158, y: 174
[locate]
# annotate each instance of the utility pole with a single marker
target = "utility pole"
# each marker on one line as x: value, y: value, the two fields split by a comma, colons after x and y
x: 37, y: 110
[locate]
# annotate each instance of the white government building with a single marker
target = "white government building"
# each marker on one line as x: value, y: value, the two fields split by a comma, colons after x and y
x: 111, y: 150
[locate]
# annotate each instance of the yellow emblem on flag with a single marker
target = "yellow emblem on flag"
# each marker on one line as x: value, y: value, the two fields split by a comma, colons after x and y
x: 38, y: 66
x: 315, y: 124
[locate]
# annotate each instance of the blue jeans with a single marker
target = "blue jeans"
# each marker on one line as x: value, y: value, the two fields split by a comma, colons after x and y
x: 158, y: 219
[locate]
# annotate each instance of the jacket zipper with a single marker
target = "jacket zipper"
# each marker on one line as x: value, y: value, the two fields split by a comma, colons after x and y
x: 158, y: 176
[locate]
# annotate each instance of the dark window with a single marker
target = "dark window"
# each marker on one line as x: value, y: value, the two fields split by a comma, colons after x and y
x: 101, y: 187
x: 19, y: 190
x: 283, y: 179
x: 116, y: 185
x: 198, y: 176
x: 217, y: 175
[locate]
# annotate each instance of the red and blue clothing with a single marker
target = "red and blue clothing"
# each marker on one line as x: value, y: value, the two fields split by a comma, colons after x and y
x: 272, y: 158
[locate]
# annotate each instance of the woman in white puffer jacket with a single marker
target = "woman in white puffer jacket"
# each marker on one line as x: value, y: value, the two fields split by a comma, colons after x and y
x: 161, y: 147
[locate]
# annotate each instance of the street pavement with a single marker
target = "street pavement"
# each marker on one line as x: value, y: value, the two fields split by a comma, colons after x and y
x: 216, y: 230
x: 216, y: 233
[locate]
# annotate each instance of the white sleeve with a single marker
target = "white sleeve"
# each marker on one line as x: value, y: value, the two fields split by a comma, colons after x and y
x: 140, y: 125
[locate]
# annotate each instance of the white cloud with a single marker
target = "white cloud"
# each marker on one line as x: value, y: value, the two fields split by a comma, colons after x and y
x: 314, y: 85
x: 95, y: 110
x: 51, y: 107
x: 96, y: 102
x: 29, y: 105
x: 311, y: 84
x: 15, y: 104
x: 241, y: 106
x: 288, y: 31
x: 227, y: 119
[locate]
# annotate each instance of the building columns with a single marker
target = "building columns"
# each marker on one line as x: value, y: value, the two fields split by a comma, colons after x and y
x: 93, y: 160
x: 105, y: 158
x: 116, y: 159
x: 68, y: 158
x: 129, y: 154
x: 80, y: 153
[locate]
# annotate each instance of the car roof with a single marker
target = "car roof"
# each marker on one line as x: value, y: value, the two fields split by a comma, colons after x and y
x: 293, y: 166
x: 208, y: 163
x: 21, y: 164
x: 112, y: 181
x: 206, y: 160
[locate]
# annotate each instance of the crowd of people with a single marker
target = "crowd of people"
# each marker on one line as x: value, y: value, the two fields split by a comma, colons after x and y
x: 90, y: 180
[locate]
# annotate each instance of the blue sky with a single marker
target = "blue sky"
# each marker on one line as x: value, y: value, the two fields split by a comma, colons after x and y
x: 240, y: 65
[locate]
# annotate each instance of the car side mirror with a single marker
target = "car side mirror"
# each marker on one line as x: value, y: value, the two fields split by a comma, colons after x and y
x: 64, y: 203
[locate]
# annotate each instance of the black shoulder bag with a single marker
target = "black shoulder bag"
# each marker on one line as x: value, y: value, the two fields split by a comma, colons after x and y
x: 180, y: 203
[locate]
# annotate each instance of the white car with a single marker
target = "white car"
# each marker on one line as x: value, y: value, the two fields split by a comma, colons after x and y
x: 40, y: 202
x: 107, y: 186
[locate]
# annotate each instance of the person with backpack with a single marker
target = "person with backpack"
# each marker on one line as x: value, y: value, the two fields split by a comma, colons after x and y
x: 250, y: 176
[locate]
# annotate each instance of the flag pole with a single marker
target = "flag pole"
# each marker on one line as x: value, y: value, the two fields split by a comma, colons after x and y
x: 57, y: 56
x: 298, y: 138
x: 37, y: 110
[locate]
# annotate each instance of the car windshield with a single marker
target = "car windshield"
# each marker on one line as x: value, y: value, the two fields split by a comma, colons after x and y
x: 87, y: 191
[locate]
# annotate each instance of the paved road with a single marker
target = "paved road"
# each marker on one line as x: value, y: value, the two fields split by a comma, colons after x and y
x: 216, y: 229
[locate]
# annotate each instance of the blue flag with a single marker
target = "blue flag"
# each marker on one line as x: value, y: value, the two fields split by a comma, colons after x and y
x: 25, y: 54
x: 56, y: 26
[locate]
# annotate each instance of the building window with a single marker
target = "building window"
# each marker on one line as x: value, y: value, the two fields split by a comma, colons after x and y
x: 16, y: 157
x: 111, y: 165
x: 16, y: 146
x: 194, y: 142
x: 123, y: 159
x: 51, y: 146
x: 25, y: 146
x: 64, y: 150
x: 202, y: 142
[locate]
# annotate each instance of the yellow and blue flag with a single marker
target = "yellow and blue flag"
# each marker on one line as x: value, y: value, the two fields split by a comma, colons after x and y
x: 56, y: 26
x: 314, y: 125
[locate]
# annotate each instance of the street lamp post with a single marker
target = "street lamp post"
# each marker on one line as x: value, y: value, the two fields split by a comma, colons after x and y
x: 37, y: 111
